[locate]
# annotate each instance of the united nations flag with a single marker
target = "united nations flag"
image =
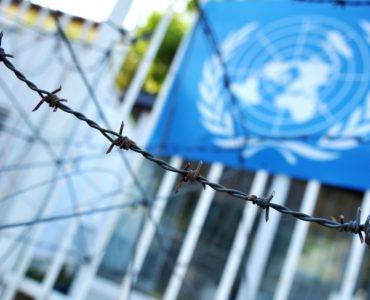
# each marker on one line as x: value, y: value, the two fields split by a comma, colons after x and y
x: 281, y: 86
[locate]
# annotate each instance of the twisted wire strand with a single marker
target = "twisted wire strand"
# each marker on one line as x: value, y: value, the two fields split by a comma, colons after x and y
x: 116, y: 139
x: 60, y: 217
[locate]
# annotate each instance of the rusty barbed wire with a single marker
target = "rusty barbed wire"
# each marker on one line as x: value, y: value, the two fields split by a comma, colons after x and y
x: 191, y: 176
x: 117, y: 138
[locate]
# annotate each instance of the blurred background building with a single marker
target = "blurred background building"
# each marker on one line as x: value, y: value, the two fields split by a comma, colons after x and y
x: 156, y: 244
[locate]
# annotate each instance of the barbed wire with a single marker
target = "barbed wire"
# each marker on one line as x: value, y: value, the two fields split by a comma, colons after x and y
x: 58, y: 161
x: 94, y: 98
x: 121, y: 141
x: 210, y: 35
x: 58, y: 165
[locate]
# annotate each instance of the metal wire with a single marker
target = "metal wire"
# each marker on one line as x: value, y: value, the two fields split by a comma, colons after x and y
x: 46, y: 246
x: 123, y: 142
x: 58, y: 167
x: 71, y: 215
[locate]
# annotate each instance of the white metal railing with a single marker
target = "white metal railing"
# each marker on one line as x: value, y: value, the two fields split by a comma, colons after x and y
x: 261, y: 248
x: 296, y: 245
x: 356, y: 257
x: 192, y: 235
x: 241, y: 238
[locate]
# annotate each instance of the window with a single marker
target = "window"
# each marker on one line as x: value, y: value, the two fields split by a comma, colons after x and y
x: 320, y: 269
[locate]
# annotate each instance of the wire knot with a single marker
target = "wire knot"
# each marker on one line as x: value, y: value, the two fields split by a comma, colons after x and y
x: 190, y: 176
x: 263, y: 202
x: 354, y: 226
x: 123, y: 142
x: 52, y: 99
x: 3, y: 54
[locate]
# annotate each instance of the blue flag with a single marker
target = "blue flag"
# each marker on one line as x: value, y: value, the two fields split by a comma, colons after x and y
x: 285, y: 89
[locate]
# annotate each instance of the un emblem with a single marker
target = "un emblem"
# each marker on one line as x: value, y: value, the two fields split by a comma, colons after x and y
x: 293, y: 78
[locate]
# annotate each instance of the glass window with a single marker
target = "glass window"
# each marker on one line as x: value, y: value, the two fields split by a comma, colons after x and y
x: 163, y: 252
x: 281, y: 242
x: 2, y: 288
x: 320, y: 269
x: 65, y: 278
x: 116, y: 259
x: 216, y: 239
x: 362, y: 290
x: 22, y: 296
x: 241, y: 272
x: 119, y: 249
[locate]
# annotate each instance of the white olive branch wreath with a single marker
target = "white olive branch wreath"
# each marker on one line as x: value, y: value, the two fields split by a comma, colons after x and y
x: 216, y: 117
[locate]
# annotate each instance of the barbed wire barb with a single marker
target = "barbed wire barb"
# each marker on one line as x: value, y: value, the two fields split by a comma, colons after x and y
x: 3, y: 55
x: 52, y: 99
x: 190, y: 176
x: 123, y: 142
x: 264, y: 203
x: 354, y: 225
x: 367, y: 230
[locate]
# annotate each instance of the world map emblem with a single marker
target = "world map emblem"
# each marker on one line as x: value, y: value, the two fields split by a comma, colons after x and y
x: 300, y: 86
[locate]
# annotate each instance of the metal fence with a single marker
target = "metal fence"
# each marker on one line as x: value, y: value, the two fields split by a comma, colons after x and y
x: 103, y: 228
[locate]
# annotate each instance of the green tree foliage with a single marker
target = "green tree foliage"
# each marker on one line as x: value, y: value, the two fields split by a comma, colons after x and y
x: 158, y: 70
x: 192, y: 5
